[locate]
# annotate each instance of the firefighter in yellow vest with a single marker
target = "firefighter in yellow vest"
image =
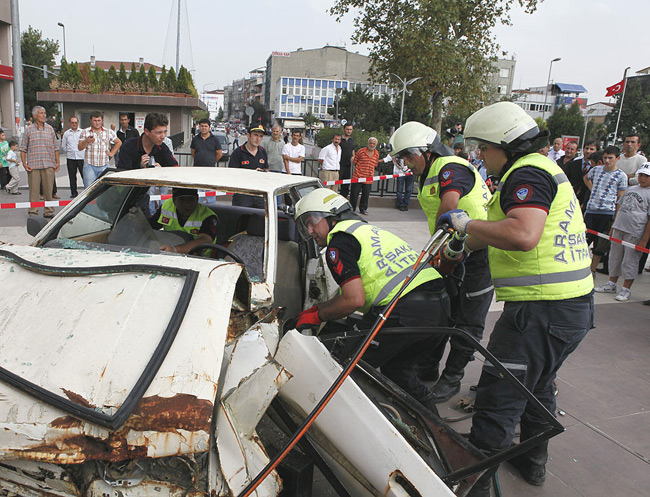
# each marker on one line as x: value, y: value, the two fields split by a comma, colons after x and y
x: 535, y: 234
x: 183, y: 213
x: 448, y: 182
x: 370, y: 265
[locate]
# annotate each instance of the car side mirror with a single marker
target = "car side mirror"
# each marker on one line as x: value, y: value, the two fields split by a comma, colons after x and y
x: 35, y: 224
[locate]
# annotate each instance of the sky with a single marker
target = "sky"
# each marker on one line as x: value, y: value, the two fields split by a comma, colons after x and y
x: 596, y: 39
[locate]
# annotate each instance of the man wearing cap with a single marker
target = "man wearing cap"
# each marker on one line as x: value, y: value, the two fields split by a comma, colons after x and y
x: 183, y: 213
x: 250, y: 156
x: 370, y: 264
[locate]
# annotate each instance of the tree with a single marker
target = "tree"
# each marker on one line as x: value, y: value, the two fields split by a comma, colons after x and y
x: 171, y: 80
x: 310, y: 120
x: 635, y: 117
x: 162, y: 80
x: 142, y: 78
x: 37, y: 52
x: 133, y: 74
x: 112, y: 80
x: 566, y: 121
x: 353, y: 106
x: 220, y: 114
x: 152, y: 82
x: 122, y: 77
x: 449, y: 44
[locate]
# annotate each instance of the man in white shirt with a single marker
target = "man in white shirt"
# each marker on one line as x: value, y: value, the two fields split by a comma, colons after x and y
x: 630, y: 160
x: 293, y: 154
x: 329, y: 160
x: 74, y: 156
x: 556, y: 152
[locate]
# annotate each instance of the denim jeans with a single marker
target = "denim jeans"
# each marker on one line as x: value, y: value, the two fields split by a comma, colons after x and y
x: 404, y: 190
x: 91, y: 173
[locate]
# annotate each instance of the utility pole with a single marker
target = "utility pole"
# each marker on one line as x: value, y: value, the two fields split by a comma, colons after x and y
x: 178, y: 38
x: 620, y: 107
x: 404, y: 85
x: 19, y: 97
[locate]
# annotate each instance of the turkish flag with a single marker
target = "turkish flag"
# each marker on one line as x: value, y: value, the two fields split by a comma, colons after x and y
x: 614, y: 89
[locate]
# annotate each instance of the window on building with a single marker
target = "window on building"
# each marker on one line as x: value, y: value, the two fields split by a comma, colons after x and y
x: 504, y: 72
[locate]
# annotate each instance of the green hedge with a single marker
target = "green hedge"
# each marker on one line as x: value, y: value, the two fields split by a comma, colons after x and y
x: 360, y: 137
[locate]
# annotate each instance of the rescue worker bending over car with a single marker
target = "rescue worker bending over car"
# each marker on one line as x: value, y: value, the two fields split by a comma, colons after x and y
x: 539, y: 261
x: 183, y: 213
x: 370, y: 264
x: 448, y: 182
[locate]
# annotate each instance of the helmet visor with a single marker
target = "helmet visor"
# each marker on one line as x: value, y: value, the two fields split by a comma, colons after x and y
x: 307, y: 221
x: 406, y: 153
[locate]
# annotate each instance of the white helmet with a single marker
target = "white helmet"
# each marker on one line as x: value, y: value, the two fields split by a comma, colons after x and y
x: 503, y: 124
x: 414, y: 138
x: 317, y: 205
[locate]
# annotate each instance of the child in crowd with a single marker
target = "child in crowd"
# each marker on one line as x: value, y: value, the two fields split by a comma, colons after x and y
x: 12, y: 159
x: 607, y: 184
x: 632, y: 224
x: 4, y: 171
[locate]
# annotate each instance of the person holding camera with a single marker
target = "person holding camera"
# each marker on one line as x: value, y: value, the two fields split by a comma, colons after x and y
x: 149, y: 149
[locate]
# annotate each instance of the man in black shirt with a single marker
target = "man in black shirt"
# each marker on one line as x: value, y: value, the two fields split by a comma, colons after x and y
x: 125, y: 131
x: 148, y: 150
x: 347, y: 152
x: 205, y: 147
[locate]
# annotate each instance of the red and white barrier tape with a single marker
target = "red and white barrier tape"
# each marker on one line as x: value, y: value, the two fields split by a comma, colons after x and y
x: 62, y: 203
x: 364, y: 180
x: 618, y: 240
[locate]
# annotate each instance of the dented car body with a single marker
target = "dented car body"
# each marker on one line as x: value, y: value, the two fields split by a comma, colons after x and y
x: 126, y: 371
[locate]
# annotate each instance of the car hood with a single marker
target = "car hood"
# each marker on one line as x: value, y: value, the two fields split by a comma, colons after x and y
x: 107, y: 355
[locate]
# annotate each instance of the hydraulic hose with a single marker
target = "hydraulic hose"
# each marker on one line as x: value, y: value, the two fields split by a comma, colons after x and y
x: 434, y: 244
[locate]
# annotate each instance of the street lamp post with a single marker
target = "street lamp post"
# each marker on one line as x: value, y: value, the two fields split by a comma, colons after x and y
x: 207, y: 84
x: 64, y: 52
x: 404, y: 85
x: 548, y: 82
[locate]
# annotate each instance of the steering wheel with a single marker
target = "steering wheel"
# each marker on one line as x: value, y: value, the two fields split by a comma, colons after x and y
x: 217, y: 248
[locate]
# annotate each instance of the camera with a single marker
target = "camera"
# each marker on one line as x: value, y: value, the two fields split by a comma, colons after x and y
x: 385, y: 148
x: 451, y: 132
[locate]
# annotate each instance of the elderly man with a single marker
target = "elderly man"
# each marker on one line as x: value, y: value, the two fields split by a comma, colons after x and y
x: 40, y: 157
x: 556, y: 152
x: 273, y: 145
x: 365, y: 162
x: 74, y: 156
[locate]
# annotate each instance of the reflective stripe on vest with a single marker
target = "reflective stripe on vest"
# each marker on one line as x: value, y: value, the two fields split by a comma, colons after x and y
x: 559, y: 266
x: 543, y: 279
x: 474, y: 202
x: 385, y: 262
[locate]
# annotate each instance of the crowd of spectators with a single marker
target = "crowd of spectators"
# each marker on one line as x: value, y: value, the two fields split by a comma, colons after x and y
x: 613, y: 190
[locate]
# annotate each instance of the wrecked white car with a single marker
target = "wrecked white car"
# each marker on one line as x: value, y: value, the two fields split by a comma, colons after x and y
x: 127, y: 371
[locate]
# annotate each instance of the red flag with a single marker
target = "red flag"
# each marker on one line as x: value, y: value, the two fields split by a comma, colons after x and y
x: 614, y: 89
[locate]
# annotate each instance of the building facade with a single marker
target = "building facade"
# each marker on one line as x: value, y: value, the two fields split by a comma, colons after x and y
x: 7, y: 112
x: 541, y: 101
x: 214, y: 100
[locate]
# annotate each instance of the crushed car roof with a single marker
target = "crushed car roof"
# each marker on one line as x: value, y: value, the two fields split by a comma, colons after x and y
x: 210, y: 178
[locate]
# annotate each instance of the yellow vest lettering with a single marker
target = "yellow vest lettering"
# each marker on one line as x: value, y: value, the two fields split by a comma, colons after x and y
x: 385, y: 262
x: 559, y: 267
